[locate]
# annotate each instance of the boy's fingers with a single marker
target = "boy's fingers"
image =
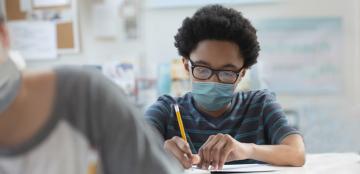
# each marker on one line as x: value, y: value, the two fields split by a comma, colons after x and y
x: 217, y: 151
x: 182, y: 157
x: 184, y: 160
x: 195, y: 159
x: 224, y: 156
x: 182, y: 145
x: 206, y: 149
x: 201, y: 159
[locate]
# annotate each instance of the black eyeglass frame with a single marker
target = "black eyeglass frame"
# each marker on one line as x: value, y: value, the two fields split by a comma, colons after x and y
x: 213, y: 71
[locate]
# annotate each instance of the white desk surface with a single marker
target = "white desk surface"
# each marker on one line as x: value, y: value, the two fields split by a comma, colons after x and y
x: 327, y: 163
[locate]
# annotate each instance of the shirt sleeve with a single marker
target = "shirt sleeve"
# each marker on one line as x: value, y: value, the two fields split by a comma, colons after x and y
x: 275, y: 122
x: 101, y: 112
x: 157, y: 114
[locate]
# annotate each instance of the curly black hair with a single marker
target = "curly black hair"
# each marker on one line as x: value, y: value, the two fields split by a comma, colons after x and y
x: 215, y: 22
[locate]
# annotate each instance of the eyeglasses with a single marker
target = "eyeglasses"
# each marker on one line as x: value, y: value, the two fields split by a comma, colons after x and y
x: 201, y: 72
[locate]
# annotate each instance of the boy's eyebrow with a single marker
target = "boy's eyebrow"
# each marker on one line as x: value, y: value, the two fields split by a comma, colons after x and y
x: 224, y: 66
x: 201, y: 62
x: 230, y: 66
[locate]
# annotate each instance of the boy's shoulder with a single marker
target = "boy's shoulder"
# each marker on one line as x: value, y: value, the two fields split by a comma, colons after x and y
x: 257, y: 96
x: 170, y: 100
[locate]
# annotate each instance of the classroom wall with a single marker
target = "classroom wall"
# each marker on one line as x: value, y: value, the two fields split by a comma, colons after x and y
x: 328, y: 122
x: 95, y: 50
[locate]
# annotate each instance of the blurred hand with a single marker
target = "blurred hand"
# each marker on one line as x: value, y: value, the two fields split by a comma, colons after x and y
x: 222, y: 148
x: 181, y: 150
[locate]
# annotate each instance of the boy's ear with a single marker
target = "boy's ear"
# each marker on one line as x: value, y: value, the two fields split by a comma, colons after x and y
x: 185, y: 63
x: 243, y: 72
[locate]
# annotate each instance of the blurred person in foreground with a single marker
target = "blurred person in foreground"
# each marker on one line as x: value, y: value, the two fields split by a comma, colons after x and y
x: 51, y: 120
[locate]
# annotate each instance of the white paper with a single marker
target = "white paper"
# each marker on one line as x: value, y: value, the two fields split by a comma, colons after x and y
x: 105, y: 20
x: 315, y: 163
x: 50, y: 3
x: 25, y: 5
x: 34, y: 40
x: 242, y: 168
x: 246, y: 168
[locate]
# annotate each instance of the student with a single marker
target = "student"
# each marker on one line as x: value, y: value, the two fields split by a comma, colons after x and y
x: 50, y: 120
x: 218, y: 46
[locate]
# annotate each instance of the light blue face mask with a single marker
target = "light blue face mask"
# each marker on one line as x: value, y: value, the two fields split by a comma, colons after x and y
x: 10, y: 80
x: 212, y: 96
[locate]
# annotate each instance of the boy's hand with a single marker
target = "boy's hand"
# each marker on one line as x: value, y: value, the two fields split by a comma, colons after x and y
x: 221, y: 148
x: 181, y: 150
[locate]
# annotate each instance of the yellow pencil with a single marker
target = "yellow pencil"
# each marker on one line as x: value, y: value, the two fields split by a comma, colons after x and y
x: 181, y: 125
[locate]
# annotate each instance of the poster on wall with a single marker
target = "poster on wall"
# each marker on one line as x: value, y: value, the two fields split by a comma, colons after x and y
x: 301, y: 56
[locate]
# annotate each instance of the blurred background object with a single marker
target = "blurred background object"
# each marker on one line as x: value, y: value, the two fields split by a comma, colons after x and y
x: 310, y: 53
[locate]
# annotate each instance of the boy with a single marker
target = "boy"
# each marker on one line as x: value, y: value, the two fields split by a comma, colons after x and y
x: 218, y: 45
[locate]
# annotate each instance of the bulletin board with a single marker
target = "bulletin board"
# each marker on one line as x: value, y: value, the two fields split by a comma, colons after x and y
x: 63, y: 13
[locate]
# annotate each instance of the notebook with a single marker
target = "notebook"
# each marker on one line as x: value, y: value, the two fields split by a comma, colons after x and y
x: 238, y: 168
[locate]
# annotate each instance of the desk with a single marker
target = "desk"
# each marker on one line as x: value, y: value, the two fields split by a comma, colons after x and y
x: 326, y: 163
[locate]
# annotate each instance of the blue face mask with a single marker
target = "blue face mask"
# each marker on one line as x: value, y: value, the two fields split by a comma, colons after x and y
x: 212, y: 96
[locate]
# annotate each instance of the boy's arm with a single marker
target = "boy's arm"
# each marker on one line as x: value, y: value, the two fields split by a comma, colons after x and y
x: 157, y: 115
x: 222, y: 148
x: 291, y: 152
x: 285, y: 147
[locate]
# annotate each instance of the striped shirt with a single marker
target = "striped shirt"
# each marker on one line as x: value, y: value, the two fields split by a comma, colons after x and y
x: 254, y: 117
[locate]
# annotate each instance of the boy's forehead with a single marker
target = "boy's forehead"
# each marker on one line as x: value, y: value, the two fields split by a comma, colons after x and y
x: 219, y: 63
x: 213, y: 49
